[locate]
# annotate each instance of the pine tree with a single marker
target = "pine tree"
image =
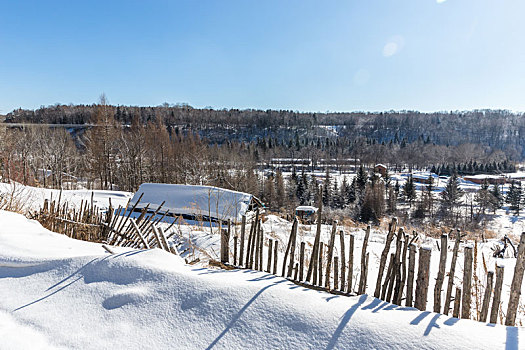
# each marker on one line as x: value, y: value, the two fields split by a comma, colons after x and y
x: 497, y: 198
x: 514, y: 198
x: 452, y: 192
x: 483, y: 197
x: 361, y: 179
x: 327, y: 189
x: 409, y: 190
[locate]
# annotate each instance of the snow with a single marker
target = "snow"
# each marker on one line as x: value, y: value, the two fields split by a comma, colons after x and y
x: 57, y: 292
x: 33, y: 198
x: 193, y: 200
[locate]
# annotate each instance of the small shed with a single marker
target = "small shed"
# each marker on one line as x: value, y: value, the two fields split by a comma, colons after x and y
x: 381, y: 169
x: 206, y: 204
x: 306, y: 212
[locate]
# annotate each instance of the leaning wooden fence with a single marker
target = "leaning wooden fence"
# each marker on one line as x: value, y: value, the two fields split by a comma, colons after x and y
x: 116, y: 227
x: 396, y: 282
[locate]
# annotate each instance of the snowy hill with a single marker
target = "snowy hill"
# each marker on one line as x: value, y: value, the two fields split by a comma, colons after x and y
x: 56, y: 292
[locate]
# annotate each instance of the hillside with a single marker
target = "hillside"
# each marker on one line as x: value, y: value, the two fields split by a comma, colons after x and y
x: 497, y: 129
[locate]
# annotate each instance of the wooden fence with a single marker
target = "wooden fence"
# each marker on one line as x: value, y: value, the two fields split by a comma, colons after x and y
x: 396, y: 282
x: 113, y: 227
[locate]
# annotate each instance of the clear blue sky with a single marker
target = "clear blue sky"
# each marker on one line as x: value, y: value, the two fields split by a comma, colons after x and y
x: 303, y: 55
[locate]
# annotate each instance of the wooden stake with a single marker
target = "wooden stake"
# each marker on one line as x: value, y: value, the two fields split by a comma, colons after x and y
x: 515, y: 287
x: 336, y: 273
x: 269, y: 264
x: 289, y: 246
x: 301, y: 261
x: 292, y: 247
x: 235, y: 239
x: 494, y: 311
x: 467, y: 281
x: 451, y: 273
x: 330, y: 253
x: 422, y: 278
x: 411, y: 273
x: 399, y: 288
x: 350, y: 264
x: 320, y: 265
x: 225, y: 249
x: 389, y: 272
x: 384, y: 256
x: 243, y: 232
x: 486, y: 297
x: 441, y: 273
x: 343, y: 260
x: 457, y: 302
x: 364, y: 265
x: 275, y: 257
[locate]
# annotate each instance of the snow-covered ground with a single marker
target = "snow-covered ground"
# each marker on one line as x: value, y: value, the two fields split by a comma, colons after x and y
x: 56, y: 292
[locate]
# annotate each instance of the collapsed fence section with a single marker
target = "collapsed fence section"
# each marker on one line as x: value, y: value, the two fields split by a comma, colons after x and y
x: 116, y: 227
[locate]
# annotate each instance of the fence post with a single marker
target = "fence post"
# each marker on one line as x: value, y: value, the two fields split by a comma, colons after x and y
x: 336, y: 273
x: 289, y: 246
x: 364, y: 265
x: 292, y: 248
x: 269, y: 264
x: 275, y: 243
x: 320, y: 265
x: 343, y: 260
x: 441, y: 273
x: 411, y: 273
x: 389, y: 272
x: 301, y: 261
x: 422, y: 278
x: 350, y: 264
x: 515, y: 288
x: 399, y: 288
x: 451, y: 273
x: 384, y: 256
x: 261, y: 245
x: 467, y: 281
x: 486, y: 297
x: 330, y: 253
x: 225, y: 249
x: 457, y: 303
x: 243, y: 233
x: 497, y: 294
x: 235, y: 239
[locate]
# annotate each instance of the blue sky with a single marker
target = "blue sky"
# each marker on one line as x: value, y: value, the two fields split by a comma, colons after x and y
x: 303, y: 55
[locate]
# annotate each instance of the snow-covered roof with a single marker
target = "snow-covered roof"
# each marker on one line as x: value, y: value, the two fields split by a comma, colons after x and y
x: 206, y: 201
x: 306, y: 208
x: 484, y: 176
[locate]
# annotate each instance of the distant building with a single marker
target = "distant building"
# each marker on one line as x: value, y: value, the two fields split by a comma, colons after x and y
x: 481, y: 178
x: 306, y: 213
x: 381, y: 169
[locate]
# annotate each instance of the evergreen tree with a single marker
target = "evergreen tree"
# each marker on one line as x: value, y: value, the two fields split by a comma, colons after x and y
x: 483, y: 197
x: 409, y: 190
x: 497, y: 198
x: 361, y: 179
x: 452, y: 192
x: 327, y: 189
x: 514, y: 198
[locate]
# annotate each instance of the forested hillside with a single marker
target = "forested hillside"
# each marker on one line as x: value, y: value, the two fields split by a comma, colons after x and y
x: 492, y: 129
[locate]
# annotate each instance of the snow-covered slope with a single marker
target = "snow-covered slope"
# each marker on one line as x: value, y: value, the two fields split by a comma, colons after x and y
x: 59, y: 293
